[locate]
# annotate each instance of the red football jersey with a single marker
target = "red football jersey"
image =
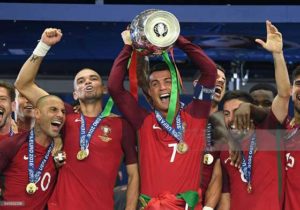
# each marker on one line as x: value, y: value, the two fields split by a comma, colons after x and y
x: 16, y: 177
x: 89, y: 183
x: 292, y: 191
x: 267, y: 188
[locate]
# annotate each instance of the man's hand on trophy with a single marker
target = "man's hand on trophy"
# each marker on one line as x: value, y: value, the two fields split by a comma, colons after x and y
x: 51, y: 36
x: 126, y: 37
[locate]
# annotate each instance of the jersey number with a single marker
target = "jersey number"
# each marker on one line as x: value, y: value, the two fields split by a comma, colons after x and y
x: 45, y: 181
x: 174, y: 145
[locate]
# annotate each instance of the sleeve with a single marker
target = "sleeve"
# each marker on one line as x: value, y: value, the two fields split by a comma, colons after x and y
x: 9, y: 147
x: 129, y: 143
x: 204, y: 90
x: 125, y: 102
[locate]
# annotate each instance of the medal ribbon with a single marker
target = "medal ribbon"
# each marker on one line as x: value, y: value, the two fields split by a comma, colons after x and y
x: 35, y: 175
x: 208, y: 134
x: 85, y: 138
x: 174, y: 90
x: 177, y: 132
x: 247, y: 166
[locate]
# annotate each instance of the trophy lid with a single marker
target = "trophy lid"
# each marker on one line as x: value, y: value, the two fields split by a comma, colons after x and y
x: 162, y: 28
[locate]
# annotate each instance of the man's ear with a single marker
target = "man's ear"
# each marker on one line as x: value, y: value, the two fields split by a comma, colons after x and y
x: 37, y: 113
x: 195, y: 82
x: 75, y: 96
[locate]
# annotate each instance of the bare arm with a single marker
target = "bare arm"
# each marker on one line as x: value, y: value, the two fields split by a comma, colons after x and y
x: 274, y: 45
x: 224, y: 203
x: 25, y: 82
x: 213, y: 192
x: 133, y: 187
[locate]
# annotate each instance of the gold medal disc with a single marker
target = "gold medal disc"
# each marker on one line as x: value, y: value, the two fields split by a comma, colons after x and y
x: 182, y: 147
x: 81, y: 155
x: 31, y: 188
x: 208, y: 159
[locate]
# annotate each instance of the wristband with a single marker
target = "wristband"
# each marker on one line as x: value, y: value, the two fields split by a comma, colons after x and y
x: 207, y: 208
x: 41, y: 49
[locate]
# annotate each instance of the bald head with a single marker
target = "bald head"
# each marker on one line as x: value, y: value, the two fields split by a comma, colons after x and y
x: 45, y: 100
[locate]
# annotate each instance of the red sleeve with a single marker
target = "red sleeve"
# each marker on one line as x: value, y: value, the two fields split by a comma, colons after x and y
x: 125, y: 102
x: 9, y: 147
x: 129, y: 143
x: 208, y: 75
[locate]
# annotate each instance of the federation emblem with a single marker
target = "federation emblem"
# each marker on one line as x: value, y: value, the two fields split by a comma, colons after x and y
x: 106, y: 131
x: 208, y: 159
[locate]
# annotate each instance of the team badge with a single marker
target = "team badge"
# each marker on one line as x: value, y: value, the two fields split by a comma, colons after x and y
x: 106, y: 132
x: 208, y: 159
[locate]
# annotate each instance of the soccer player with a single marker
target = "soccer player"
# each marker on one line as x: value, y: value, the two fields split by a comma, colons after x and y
x: 293, y: 147
x: 169, y: 155
x: 263, y: 94
x: 25, y: 158
x: 94, y: 140
x: 7, y: 106
x: 262, y: 171
x: 24, y: 114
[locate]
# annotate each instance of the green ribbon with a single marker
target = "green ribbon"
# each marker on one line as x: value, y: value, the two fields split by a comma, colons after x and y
x: 108, y: 107
x: 190, y: 197
x: 174, y: 90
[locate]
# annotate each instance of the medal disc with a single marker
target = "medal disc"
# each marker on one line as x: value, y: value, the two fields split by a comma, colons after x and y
x: 81, y: 155
x: 31, y: 188
x: 208, y: 159
x: 182, y: 147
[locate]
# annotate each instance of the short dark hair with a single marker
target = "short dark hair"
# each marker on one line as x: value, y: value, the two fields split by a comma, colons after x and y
x: 220, y: 68
x: 263, y: 86
x: 238, y: 94
x: 198, y: 73
x: 10, y: 89
x: 159, y: 67
x: 296, y: 73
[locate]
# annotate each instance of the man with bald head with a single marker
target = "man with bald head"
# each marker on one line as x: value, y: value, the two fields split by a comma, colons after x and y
x: 29, y: 174
x: 94, y: 140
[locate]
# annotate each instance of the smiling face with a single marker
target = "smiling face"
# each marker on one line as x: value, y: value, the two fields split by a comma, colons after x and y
x: 220, y: 86
x: 50, y: 115
x: 88, y: 86
x: 228, y: 110
x: 24, y: 109
x: 6, y: 106
x: 160, y: 85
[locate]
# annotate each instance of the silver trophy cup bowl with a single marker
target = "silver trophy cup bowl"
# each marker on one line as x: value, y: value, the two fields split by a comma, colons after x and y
x: 154, y: 31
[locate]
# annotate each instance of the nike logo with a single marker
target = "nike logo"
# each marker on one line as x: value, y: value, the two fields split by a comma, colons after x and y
x: 25, y: 157
x: 77, y: 120
x: 156, y: 127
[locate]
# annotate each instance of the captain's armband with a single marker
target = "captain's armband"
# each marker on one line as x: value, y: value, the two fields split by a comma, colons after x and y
x: 203, y: 93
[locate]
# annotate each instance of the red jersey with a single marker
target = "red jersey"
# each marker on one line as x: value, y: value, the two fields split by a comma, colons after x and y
x: 162, y: 169
x: 89, y: 183
x: 292, y: 191
x: 14, y: 168
x: 267, y: 177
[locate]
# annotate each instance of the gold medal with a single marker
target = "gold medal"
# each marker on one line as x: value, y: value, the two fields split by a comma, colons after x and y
x: 81, y: 155
x: 182, y: 147
x: 31, y: 188
x: 87, y: 152
x: 249, y: 188
x: 208, y: 159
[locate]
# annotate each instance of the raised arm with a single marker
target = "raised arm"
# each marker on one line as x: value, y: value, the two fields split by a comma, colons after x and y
x: 202, y: 62
x: 274, y: 45
x: 123, y: 98
x: 25, y: 82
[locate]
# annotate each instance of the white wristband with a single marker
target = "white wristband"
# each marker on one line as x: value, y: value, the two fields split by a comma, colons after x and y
x: 207, y: 208
x: 41, y: 49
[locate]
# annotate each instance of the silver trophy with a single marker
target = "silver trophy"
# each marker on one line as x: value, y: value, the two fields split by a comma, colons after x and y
x: 154, y: 31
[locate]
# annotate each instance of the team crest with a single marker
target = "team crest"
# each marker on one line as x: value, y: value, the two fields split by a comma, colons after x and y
x: 106, y: 131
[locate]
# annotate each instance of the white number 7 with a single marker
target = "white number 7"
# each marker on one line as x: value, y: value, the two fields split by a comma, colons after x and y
x: 174, y: 145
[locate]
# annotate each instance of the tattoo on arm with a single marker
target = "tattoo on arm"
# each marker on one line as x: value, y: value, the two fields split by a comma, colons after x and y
x: 33, y: 58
